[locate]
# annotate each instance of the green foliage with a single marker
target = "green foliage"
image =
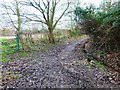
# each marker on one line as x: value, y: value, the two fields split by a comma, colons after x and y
x: 102, y: 24
x: 111, y: 17
x: 101, y: 53
x: 8, y: 48
x: 74, y: 33
x: 5, y: 43
x: 23, y: 53
x: 96, y: 64
x: 84, y: 13
x: 100, y: 65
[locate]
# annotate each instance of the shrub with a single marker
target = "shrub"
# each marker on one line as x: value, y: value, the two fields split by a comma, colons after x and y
x: 102, y: 26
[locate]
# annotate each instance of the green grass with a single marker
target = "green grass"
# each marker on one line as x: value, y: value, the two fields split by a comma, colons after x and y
x: 23, y: 54
x: 9, y: 46
x: 75, y: 33
x: 3, y: 59
x: 97, y: 64
x: 7, y: 49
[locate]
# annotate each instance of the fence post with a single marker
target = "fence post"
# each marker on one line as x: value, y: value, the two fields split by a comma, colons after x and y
x: 17, y: 42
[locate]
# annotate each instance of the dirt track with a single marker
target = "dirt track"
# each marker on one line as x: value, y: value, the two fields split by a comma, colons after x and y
x: 57, y: 68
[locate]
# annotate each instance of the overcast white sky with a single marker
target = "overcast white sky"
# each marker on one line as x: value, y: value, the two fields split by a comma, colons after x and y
x: 95, y: 2
x: 82, y: 1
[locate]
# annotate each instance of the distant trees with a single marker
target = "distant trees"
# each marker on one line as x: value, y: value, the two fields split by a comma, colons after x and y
x: 47, y: 12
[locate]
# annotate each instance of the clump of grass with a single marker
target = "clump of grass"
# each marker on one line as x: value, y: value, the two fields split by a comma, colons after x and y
x: 23, y: 54
x: 75, y: 33
x: 100, y: 65
x: 96, y: 64
x: 3, y: 59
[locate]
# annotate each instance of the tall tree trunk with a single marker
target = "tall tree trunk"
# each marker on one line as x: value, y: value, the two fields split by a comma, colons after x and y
x: 19, y: 24
x: 51, y: 36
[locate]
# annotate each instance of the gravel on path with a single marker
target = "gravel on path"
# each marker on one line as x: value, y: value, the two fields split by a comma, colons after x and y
x: 56, y: 68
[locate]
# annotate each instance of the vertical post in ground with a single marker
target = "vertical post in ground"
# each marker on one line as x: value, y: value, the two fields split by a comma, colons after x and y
x: 17, y: 42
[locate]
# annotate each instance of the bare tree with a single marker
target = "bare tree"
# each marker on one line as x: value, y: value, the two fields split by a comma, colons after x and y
x: 13, y: 9
x: 46, y: 8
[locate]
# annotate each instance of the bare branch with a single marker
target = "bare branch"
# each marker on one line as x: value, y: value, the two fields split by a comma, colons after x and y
x: 37, y: 20
x: 61, y: 15
x: 48, y: 4
x: 47, y: 9
x: 5, y: 6
x: 38, y: 7
x: 43, y: 3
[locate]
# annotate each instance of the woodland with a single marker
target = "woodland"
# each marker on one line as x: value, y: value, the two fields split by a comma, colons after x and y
x: 85, y: 55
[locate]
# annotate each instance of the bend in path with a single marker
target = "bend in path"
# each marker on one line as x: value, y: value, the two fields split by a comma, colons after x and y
x: 49, y: 69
